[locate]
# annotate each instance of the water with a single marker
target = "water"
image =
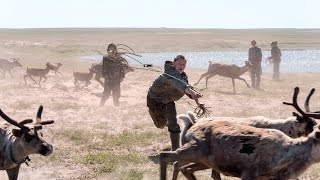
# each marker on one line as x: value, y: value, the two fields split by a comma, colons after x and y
x: 292, y: 61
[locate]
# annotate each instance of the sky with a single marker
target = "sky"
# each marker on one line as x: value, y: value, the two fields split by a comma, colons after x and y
x: 226, y: 14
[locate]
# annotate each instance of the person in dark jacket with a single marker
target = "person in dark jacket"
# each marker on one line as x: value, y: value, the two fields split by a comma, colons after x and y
x: 255, y: 58
x: 276, y: 59
x: 164, y: 91
x: 113, y: 66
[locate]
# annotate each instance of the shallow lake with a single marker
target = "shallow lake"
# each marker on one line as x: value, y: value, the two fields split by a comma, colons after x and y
x: 292, y: 61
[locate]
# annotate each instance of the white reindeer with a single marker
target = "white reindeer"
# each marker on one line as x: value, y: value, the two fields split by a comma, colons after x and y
x: 227, y: 70
x: 6, y: 65
x: 18, y: 144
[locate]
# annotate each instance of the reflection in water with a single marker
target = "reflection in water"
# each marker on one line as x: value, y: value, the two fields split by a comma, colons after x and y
x: 292, y: 61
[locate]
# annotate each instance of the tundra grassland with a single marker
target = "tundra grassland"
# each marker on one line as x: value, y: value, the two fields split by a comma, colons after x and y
x: 92, y: 142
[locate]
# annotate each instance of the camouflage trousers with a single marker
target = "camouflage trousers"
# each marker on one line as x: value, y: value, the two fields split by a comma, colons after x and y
x: 163, y: 115
x: 111, y: 86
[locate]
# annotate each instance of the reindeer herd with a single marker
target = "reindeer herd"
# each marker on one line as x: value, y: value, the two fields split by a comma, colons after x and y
x: 252, y: 148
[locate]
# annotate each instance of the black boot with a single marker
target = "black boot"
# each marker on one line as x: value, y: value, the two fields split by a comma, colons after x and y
x: 175, y: 141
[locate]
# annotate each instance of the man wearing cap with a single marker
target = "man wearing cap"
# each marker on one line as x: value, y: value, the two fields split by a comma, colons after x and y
x: 255, y: 57
x: 276, y: 59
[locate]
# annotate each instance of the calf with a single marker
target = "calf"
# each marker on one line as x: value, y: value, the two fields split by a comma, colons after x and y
x: 55, y: 67
x: 82, y: 76
x: 37, y: 72
x: 18, y: 144
x: 6, y: 65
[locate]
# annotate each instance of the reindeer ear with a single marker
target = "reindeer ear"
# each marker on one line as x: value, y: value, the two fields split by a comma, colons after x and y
x: 17, y: 132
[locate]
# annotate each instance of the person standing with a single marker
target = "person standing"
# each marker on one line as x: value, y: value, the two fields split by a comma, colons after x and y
x: 164, y: 91
x: 113, y: 66
x: 255, y: 58
x: 276, y: 59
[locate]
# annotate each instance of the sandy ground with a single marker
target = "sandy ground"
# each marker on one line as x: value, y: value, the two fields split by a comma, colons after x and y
x: 82, y: 129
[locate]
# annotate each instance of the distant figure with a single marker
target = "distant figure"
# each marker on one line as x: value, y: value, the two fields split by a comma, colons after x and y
x: 276, y: 59
x: 255, y: 58
x: 164, y: 91
x: 113, y: 71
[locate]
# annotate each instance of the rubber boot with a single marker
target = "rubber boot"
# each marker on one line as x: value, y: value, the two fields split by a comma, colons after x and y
x: 175, y: 141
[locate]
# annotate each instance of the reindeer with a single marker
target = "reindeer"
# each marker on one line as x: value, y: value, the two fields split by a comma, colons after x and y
x: 6, y: 65
x: 227, y: 70
x: 98, y: 68
x: 37, y: 72
x: 82, y: 76
x: 17, y: 145
x: 244, y: 151
x: 55, y: 67
x: 294, y: 127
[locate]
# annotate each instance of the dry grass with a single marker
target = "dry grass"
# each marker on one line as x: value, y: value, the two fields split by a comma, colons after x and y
x: 92, y: 142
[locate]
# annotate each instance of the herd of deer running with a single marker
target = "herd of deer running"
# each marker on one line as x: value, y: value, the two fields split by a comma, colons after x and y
x: 253, y: 148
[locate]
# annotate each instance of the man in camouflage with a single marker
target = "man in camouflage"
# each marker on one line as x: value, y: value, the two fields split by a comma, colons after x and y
x: 276, y: 59
x: 164, y: 91
x: 113, y: 66
x: 255, y: 58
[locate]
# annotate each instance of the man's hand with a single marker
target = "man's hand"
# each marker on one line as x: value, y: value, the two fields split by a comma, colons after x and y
x: 194, y: 94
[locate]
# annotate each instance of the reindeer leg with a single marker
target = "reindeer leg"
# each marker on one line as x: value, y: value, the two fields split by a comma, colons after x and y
x: 33, y: 79
x: 97, y: 78
x: 233, y: 84
x: 203, y: 75
x: 244, y: 81
x: 40, y: 80
x: 184, y: 155
x: 207, y: 78
x: 11, y: 74
x: 24, y: 77
x: 188, y: 170
x: 45, y: 78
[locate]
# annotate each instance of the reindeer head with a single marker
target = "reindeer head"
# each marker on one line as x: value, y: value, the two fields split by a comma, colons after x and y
x: 248, y: 65
x: 16, y: 62
x: 49, y: 66
x: 30, y: 138
x: 304, y: 117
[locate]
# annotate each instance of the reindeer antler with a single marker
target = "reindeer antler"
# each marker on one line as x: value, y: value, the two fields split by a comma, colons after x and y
x: 14, y: 122
x: 306, y: 103
x: 296, y: 106
x: 38, y: 118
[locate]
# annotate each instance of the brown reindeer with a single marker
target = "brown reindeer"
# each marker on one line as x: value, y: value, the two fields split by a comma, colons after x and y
x: 55, y: 67
x: 227, y: 70
x: 83, y: 76
x: 18, y: 144
x: 293, y: 127
x: 6, y: 65
x: 244, y: 151
x: 37, y: 72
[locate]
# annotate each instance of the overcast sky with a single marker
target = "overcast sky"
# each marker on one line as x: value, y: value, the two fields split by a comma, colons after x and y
x: 235, y: 14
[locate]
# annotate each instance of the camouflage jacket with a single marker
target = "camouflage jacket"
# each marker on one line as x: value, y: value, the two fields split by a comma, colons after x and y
x: 113, y: 66
x: 255, y: 55
x: 169, y: 86
x: 276, y: 54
